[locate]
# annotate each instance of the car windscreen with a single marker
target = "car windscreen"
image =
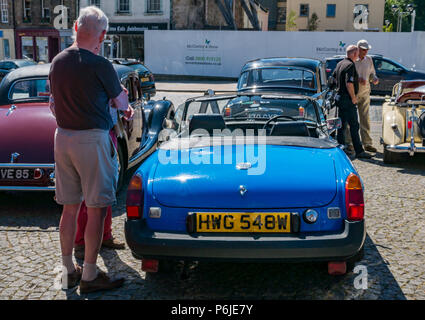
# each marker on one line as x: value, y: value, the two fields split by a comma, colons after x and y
x: 245, y: 109
x: 289, y: 77
x: 30, y: 89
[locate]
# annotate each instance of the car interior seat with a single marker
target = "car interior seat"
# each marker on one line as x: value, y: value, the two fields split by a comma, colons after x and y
x: 208, y: 122
x: 290, y: 128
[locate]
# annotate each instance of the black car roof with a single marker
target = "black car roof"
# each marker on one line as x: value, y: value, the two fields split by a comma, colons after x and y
x: 340, y: 56
x: 42, y: 71
x: 308, y: 63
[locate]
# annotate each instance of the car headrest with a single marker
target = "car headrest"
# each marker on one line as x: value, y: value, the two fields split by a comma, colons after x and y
x: 207, y: 122
x: 296, y: 128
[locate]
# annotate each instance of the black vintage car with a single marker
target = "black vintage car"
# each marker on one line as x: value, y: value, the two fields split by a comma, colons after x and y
x: 302, y: 76
x: 28, y: 127
x: 388, y: 71
x: 147, y: 80
x: 7, y: 66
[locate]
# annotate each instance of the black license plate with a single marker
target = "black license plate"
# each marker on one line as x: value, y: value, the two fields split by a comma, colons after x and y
x: 13, y: 174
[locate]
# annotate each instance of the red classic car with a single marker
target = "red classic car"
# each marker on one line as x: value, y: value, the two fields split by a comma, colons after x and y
x: 28, y: 126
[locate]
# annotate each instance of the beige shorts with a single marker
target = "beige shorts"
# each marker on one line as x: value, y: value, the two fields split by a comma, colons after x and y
x: 86, y: 167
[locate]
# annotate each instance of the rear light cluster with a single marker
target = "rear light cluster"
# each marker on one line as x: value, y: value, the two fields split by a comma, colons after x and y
x: 134, y: 203
x: 354, y: 201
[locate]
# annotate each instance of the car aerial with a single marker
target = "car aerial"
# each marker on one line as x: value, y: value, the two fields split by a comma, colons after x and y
x: 28, y: 127
x: 7, y: 66
x: 211, y: 198
x: 403, y: 121
x: 387, y: 70
x: 146, y: 76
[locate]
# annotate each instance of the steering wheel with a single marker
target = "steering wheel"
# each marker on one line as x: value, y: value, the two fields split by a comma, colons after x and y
x: 274, y: 119
x: 277, y: 117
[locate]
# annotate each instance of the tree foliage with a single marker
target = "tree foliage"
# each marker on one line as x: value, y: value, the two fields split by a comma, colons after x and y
x: 313, y: 22
x: 291, y: 25
x: 406, y: 22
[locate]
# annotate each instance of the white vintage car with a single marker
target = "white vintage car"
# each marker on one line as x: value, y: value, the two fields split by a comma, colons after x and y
x: 403, y: 120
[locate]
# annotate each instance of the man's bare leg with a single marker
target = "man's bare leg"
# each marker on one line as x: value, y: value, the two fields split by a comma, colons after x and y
x: 93, y: 240
x: 67, y: 229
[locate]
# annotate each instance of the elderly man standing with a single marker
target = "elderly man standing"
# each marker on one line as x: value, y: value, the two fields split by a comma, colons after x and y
x: 82, y: 83
x: 367, y: 74
x: 346, y: 78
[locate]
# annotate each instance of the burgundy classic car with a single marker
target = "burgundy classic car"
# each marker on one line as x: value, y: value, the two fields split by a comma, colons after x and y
x: 28, y: 127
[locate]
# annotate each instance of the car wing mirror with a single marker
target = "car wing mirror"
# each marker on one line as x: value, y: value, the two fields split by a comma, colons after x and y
x: 331, y: 82
x: 333, y: 124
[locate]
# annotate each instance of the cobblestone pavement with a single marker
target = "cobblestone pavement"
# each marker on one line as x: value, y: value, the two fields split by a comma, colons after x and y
x: 394, y: 250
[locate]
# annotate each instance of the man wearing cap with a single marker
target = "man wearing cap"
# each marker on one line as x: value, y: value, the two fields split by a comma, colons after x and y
x: 367, y: 74
x: 347, y: 83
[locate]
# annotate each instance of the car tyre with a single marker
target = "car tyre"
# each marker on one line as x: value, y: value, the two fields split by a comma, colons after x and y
x: 390, y: 157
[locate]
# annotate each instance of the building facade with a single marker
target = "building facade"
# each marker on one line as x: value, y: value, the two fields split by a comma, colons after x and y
x: 36, y: 36
x: 334, y: 15
x: 217, y: 15
x: 7, y: 36
x: 127, y: 21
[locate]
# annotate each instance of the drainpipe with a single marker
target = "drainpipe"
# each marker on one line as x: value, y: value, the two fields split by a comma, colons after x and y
x: 14, y: 29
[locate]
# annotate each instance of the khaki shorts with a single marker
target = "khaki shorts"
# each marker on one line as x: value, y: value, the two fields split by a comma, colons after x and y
x: 86, y: 167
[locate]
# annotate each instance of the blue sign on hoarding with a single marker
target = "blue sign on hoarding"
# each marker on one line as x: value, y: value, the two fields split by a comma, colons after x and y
x: 1, y: 34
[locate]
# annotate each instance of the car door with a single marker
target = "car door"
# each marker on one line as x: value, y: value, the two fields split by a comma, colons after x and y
x: 388, y: 73
x: 135, y: 125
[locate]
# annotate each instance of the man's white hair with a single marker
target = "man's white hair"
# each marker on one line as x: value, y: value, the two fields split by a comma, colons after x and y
x: 92, y: 20
x: 351, y: 49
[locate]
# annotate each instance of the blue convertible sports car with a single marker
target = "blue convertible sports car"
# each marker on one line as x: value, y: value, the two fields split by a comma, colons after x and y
x: 247, y: 177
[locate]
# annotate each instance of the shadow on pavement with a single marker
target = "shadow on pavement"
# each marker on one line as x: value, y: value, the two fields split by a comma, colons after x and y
x: 225, y: 280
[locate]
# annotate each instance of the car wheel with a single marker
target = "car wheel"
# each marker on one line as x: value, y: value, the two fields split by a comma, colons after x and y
x: 390, y: 157
x: 121, y: 167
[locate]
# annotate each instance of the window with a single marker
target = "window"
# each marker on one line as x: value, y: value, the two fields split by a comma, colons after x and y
x: 30, y: 89
x: 4, y: 11
x: 6, y: 48
x: 95, y: 3
x: 386, y: 66
x: 45, y: 12
x: 304, y: 10
x: 123, y: 6
x: 153, y: 6
x: 27, y: 10
x: 330, y: 10
x: 281, y: 15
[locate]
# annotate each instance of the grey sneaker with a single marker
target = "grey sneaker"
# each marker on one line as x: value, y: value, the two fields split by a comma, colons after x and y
x: 364, y: 155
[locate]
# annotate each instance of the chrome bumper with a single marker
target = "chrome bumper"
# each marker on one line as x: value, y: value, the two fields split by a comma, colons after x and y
x: 44, y: 166
x: 411, y: 150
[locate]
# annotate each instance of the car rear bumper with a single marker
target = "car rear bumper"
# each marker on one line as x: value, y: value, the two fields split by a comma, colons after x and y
x: 144, y: 243
x: 407, y: 148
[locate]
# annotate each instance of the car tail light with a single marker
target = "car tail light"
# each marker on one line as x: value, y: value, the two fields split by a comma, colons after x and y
x: 409, y: 124
x: 328, y: 70
x: 227, y: 112
x: 134, y: 203
x: 354, y: 201
x: 38, y: 173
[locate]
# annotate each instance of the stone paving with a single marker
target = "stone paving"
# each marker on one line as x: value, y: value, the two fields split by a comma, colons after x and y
x: 394, y: 251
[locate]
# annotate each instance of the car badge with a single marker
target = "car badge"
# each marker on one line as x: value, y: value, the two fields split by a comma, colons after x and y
x: 242, y: 190
x: 243, y: 166
x: 13, y: 157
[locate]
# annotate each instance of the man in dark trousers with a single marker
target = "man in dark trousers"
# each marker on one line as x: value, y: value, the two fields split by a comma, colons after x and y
x: 347, y: 82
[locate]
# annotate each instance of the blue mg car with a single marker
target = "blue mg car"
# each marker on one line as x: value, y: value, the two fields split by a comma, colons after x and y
x: 247, y: 177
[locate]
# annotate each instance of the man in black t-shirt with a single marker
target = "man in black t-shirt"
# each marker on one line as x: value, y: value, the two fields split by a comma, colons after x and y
x: 346, y: 78
x: 82, y: 84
